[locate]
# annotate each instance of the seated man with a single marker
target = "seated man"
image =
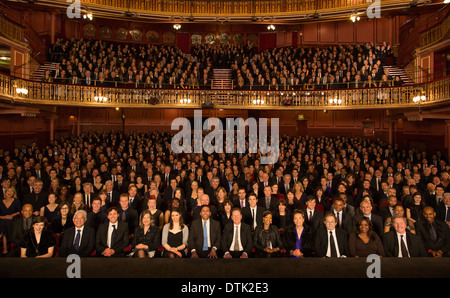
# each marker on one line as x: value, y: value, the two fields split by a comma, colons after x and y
x: 112, y: 236
x: 79, y: 239
x: 435, y: 235
x: 204, y: 235
x: 237, y: 239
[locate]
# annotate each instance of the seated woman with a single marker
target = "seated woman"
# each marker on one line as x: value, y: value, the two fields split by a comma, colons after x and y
x: 175, y: 235
x: 146, y: 238
x: 39, y: 242
x: 364, y: 241
x: 298, y: 238
x: 50, y: 210
x: 266, y: 240
x: 156, y: 214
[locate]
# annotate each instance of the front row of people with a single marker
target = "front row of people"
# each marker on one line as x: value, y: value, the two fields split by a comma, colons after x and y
x: 205, y: 239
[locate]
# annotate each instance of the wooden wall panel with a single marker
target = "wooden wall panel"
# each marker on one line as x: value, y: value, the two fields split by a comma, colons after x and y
x: 345, y: 32
x: 327, y: 32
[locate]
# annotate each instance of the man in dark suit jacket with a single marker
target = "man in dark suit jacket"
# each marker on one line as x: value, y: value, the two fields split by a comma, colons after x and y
x: 112, y: 236
x: 128, y: 214
x: 112, y: 195
x: 413, y: 246
x: 79, y: 239
x: 344, y: 220
x: 377, y: 221
x: 201, y: 246
x: 267, y: 201
x: 435, y: 235
x: 313, y: 217
x: 38, y: 198
x: 443, y: 209
x: 331, y: 241
x: 20, y: 225
x: 135, y: 200
x: 253, y: 213
x: 237, y: 239
x: 121, y: 185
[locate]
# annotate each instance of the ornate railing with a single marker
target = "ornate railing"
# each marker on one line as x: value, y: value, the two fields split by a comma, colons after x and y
x: 435, y: 33
x: 227, y: 7
x: 12, y: 89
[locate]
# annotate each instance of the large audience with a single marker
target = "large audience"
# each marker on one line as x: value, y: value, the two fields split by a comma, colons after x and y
x: 101, y: 63
x: 131, y: 195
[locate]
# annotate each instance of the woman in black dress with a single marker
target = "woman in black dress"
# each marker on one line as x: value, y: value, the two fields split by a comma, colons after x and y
x: 175, y: 236
x: 147, y: 237
x: 38, y: 242
x: 10, y: 207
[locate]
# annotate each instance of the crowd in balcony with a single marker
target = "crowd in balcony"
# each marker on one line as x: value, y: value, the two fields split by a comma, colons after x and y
x: 100, y: 63
x: 364, y: 192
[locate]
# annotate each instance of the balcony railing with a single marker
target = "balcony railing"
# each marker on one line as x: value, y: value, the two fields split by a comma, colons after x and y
x: 13, y: 90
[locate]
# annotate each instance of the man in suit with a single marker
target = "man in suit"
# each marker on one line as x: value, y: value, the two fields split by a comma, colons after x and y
x: 331, y: 241
x: 204, y: 235
x: 241, y: 200
x: 88, y: 194
x: 313, y: 217
x: 435, y: 235
x: 343, y: 219
x: 112, y: 196
x: 253, y: 213
x: 79, y: 239
x: 388, y: 210
x: 38, y: 198
x: 237, y: 239
x: 267, y: 201
x: 120, y: 185
x: 96, y: 215
x: 401, y: 243
x: 286, y: 184
x: 112, y: 236
x: 20, y: 225
x: 135, y: 200
x: 377, y: 221
x: 128, y: 214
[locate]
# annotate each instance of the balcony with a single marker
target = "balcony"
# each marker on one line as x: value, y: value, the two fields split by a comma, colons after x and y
x: 13, y: 90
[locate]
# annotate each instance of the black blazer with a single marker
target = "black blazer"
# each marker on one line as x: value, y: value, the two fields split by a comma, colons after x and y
x: 87, y: 243
x: 290, y: 239
x: 391, y: 248
x: 195, y: 240
x: 442, y: 232
x: 247, y: 216
x: 121, y: 238
x: 132, y: 218
x: 246, y: 237
x: 152, y: 238
x: 317, y: 219
x: 322, y: 238
x: 272, y: 205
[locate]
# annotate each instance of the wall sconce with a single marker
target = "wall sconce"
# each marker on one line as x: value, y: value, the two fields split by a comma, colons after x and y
x: 177, y: 26
x: 185, y: 100
x: 88, y: 15
x: 258, y: 101
x: 335, y: 101
x: 271, y: 27
x: 355, y: 18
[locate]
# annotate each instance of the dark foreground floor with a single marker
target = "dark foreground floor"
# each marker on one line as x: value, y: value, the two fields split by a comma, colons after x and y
x: 222, y: 268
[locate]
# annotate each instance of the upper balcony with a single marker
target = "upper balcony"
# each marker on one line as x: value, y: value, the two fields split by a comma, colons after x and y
x: 412, y: 97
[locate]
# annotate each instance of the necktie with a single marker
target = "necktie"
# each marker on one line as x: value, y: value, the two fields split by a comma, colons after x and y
x: 236, y: 239
x: 338, y: 219
x: 403, y: 247
x: 447, y: 218
x: 205, y: 236
x: 332, y: 246
x: 76, y: 244
x: 267, y: 203
x: 109, y: 197
x: 88, y: 200
x: 433, y: 235
x: 253, y: 218
x: 113, y: 234
x: 242, y: 204
x: 310, y: 216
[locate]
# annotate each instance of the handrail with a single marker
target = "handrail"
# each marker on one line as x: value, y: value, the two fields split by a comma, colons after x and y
x: 437, y: 91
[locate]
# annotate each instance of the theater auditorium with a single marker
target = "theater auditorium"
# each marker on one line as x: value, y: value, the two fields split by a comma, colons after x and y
x: 224, y: 140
